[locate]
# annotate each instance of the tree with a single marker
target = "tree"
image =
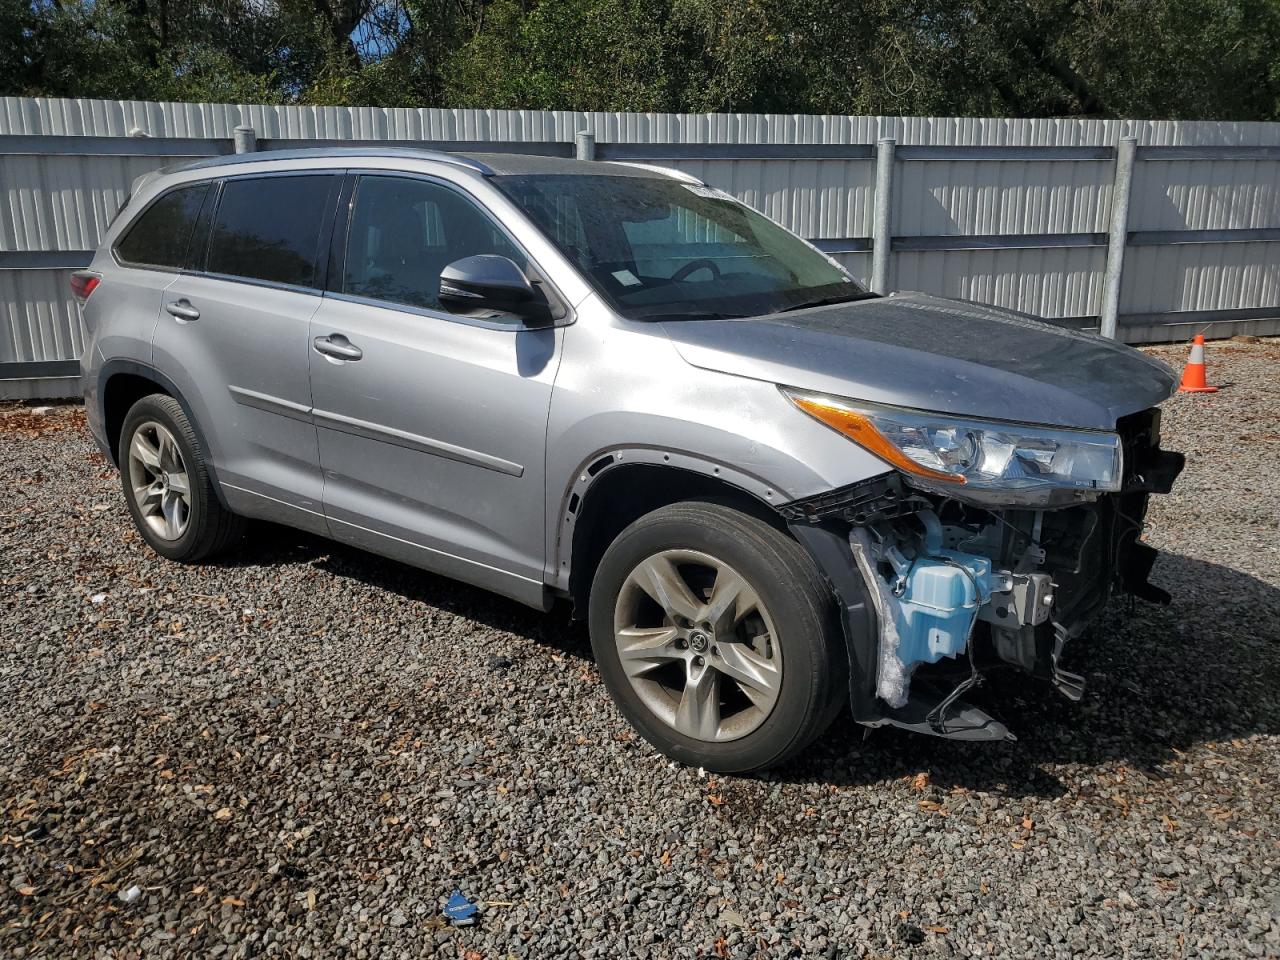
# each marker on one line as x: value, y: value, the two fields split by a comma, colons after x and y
x: 1184, y: 59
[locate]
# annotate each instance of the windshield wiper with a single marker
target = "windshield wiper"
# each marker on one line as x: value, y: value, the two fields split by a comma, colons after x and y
x: 828, y: 301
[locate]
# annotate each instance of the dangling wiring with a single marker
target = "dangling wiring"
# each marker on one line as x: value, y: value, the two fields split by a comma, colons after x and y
x: 937, y: 717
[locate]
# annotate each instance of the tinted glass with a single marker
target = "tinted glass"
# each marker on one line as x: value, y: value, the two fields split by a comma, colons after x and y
x: 404, y: 232
x: 268, y: 228
x: 663, y: 248
x: 161, y: 235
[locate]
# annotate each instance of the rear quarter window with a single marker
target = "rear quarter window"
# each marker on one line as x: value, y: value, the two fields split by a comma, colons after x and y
x: 268, y: 228
x: 160, y: 236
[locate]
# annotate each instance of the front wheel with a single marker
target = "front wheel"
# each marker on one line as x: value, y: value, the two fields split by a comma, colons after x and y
x: 714, y: 633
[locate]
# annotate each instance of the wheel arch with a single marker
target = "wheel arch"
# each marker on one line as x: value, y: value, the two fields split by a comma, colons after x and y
x: 121, y: 384
x: 616, y: 487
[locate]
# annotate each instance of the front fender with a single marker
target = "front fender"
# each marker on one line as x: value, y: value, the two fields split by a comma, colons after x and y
x: 623, y: 391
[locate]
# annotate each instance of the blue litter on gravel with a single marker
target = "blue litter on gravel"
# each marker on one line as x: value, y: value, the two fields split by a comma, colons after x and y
x: 460, y: 910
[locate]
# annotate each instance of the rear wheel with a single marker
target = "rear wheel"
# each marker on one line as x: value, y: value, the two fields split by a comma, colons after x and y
x: 714, y: 633
x: 167, y: 484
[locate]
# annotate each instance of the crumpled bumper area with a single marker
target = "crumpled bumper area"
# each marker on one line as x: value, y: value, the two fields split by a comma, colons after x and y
x: 936, y: 592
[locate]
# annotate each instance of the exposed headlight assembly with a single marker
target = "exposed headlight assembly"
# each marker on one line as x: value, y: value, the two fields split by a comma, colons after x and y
x: 983, y: 460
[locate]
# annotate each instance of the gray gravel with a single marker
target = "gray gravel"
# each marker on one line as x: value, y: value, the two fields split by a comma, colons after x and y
x: 304, y: 750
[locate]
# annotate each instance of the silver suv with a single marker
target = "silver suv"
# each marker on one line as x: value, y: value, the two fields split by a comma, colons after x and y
x: 770, y: 492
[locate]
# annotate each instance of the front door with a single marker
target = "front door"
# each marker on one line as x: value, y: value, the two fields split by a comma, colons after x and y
x: 432, y: 427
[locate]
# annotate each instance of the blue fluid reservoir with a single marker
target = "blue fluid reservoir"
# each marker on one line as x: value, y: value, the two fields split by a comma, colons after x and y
x: 939, y: 603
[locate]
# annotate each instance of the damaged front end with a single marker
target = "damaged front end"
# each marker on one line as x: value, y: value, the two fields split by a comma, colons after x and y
x: 937, y: 587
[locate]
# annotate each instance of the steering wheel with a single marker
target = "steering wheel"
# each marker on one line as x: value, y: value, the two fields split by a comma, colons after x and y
x: 693, y: 266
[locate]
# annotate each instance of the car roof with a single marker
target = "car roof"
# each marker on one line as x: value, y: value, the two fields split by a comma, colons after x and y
x: 481, y: 163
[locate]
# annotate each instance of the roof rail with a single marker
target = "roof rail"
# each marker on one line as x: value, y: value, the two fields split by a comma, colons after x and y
x: 321, y: 153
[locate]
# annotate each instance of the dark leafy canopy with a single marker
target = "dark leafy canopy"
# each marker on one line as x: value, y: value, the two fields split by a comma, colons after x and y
x: 1143, y: 58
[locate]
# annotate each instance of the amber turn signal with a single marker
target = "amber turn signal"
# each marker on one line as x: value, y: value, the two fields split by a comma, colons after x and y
x: 859, y: 428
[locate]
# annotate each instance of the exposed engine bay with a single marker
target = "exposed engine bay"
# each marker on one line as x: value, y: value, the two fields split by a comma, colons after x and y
x: 966, y: 586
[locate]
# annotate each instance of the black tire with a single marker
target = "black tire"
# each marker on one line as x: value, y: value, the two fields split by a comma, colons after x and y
x: 211, y: 528
x: 813, y: 683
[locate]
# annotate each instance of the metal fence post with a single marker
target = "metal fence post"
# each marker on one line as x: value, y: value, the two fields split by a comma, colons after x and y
x: 584, y: 145
x: 246, y: 140
x: 1118, y: 236
x: 883, y: 216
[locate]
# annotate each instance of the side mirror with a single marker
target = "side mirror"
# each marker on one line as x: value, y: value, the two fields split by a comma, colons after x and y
x: 486, y: 284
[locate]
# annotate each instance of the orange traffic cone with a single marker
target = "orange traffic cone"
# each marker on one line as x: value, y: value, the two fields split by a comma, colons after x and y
x: 1193, y: 379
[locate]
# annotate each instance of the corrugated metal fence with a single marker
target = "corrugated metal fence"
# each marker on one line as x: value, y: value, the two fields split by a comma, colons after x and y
x: 1011, y: 212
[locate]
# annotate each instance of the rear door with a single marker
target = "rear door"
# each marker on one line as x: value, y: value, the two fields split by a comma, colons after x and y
x: 234, y: 335
x: 432, y: 427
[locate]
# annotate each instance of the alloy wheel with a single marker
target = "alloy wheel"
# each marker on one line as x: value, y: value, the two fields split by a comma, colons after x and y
x: 159, y: 481
x: 697, y: 645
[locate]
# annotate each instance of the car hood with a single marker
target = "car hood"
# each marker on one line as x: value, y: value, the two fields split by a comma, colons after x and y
x: 914, y: 350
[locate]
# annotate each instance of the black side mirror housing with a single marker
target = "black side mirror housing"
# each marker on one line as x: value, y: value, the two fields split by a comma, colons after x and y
x: 487, y: 284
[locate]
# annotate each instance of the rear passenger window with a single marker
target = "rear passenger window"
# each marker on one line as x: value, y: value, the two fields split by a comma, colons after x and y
x: 160, y: 236
x: 268, y: 228
x: 404, y: 232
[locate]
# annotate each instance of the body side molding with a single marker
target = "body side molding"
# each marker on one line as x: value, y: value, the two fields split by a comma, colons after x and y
x: 373, y: 431
x: 270, y: 404
x: 413, y: 441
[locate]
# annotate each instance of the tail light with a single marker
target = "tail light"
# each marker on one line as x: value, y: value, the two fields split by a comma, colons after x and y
x: 83, y: 283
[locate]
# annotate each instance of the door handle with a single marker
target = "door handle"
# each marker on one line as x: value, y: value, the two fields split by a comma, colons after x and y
x: 337, y: 346
x: 183, y: 310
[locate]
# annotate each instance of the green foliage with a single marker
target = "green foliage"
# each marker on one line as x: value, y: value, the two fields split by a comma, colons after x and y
x: 1141, y: 58
x: 566, y: 54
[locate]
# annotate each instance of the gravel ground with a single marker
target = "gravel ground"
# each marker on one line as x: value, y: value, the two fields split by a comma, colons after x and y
x: 303, y: 750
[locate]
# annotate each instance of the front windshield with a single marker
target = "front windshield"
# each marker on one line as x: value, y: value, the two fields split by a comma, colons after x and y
x: 660, y: 248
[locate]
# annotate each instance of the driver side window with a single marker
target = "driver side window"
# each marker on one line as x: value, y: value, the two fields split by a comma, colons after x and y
x: 404, y: 231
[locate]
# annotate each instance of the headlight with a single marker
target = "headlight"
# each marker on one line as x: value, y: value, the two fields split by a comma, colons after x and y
x: 949, y: 452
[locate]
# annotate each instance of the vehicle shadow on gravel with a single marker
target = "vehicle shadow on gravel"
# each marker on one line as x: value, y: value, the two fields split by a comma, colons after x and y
x: 1161, y: 680
x: 271, y: 546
